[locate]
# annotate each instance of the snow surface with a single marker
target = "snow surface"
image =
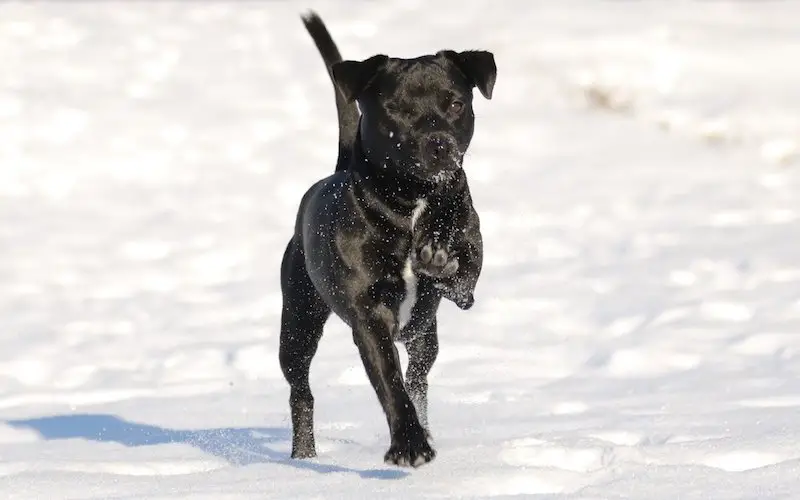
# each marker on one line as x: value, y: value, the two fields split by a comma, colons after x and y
x: 636, y: 332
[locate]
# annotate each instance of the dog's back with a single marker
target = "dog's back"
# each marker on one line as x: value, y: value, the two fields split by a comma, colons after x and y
x: 347, y: 112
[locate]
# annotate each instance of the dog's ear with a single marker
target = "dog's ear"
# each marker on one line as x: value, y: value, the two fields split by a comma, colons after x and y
x: 478, y: 66
x: 352, y: 77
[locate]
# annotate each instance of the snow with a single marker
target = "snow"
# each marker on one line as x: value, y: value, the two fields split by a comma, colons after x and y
x: 635, y: 331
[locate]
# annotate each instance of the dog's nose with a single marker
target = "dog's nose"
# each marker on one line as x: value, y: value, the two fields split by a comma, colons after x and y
x: 439, y: 146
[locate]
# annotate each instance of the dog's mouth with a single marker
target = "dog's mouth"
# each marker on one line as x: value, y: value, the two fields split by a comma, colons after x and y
x: 440, y: 152
x: 439, y: 169
x: 435, y: 159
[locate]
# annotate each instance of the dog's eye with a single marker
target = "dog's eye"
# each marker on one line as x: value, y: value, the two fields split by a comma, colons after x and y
x: 456, y: 107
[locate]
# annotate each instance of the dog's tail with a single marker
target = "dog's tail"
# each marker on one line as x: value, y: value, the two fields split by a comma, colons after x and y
x: 347, y: 112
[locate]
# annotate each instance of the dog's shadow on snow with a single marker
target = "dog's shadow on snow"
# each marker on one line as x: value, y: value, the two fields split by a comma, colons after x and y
x: 238, y: 446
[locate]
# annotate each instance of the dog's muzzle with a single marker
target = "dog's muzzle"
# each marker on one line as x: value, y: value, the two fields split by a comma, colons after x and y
x: 440, y: 151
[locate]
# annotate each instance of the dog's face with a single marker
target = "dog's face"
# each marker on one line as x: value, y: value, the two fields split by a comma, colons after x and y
x: 417, y: 113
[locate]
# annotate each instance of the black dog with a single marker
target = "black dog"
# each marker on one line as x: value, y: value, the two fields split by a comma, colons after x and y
x: 390, y: 233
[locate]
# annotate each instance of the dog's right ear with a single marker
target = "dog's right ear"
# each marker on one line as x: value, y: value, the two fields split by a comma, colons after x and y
x: 352, y: 77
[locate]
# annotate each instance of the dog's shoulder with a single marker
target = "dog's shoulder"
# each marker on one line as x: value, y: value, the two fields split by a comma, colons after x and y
x: 322, y: 197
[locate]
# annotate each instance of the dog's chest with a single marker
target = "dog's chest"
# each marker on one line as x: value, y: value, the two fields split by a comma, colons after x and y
x: 408, y: 275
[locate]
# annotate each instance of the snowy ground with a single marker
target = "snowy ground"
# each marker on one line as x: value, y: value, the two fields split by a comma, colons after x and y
x: 637, y: 327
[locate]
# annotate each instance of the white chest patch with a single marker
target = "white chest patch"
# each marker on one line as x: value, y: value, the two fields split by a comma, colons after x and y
x: 410, y: 279
x: 418, y: 209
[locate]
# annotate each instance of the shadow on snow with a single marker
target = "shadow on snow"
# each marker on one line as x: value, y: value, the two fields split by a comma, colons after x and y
x: 238, y: 446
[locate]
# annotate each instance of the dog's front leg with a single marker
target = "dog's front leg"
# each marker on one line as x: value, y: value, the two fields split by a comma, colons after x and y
x: 373, y: 336
x: 460, y: 287
x: 453, y: 257
x: 422, y: 351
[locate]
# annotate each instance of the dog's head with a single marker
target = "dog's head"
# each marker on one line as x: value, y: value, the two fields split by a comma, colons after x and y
x: 417, y: 113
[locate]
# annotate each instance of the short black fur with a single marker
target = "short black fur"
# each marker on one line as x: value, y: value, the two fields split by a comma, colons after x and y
x: 395, y: 222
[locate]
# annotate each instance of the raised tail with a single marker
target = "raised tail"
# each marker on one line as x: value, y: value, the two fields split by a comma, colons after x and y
x: 348, y: 114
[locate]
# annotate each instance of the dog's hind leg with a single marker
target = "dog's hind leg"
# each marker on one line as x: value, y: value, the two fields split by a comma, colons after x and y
x: 422, y: 351
x: 302, y: 319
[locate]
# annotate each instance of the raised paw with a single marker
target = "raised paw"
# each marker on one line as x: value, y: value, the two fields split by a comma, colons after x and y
x: 462, y: 298
x: 434, y: 260
x: 412, y: 452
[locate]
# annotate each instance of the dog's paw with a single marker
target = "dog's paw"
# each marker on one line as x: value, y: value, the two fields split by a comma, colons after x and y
x: 435, y: 260
x: 464, y: 299
x: 410, y: 452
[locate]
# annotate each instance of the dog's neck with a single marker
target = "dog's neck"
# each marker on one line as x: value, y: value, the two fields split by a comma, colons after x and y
x: 397, y: 187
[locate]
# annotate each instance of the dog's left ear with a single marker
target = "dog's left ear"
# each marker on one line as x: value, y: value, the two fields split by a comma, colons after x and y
x: 478, y: 66
x: 352, y: 77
